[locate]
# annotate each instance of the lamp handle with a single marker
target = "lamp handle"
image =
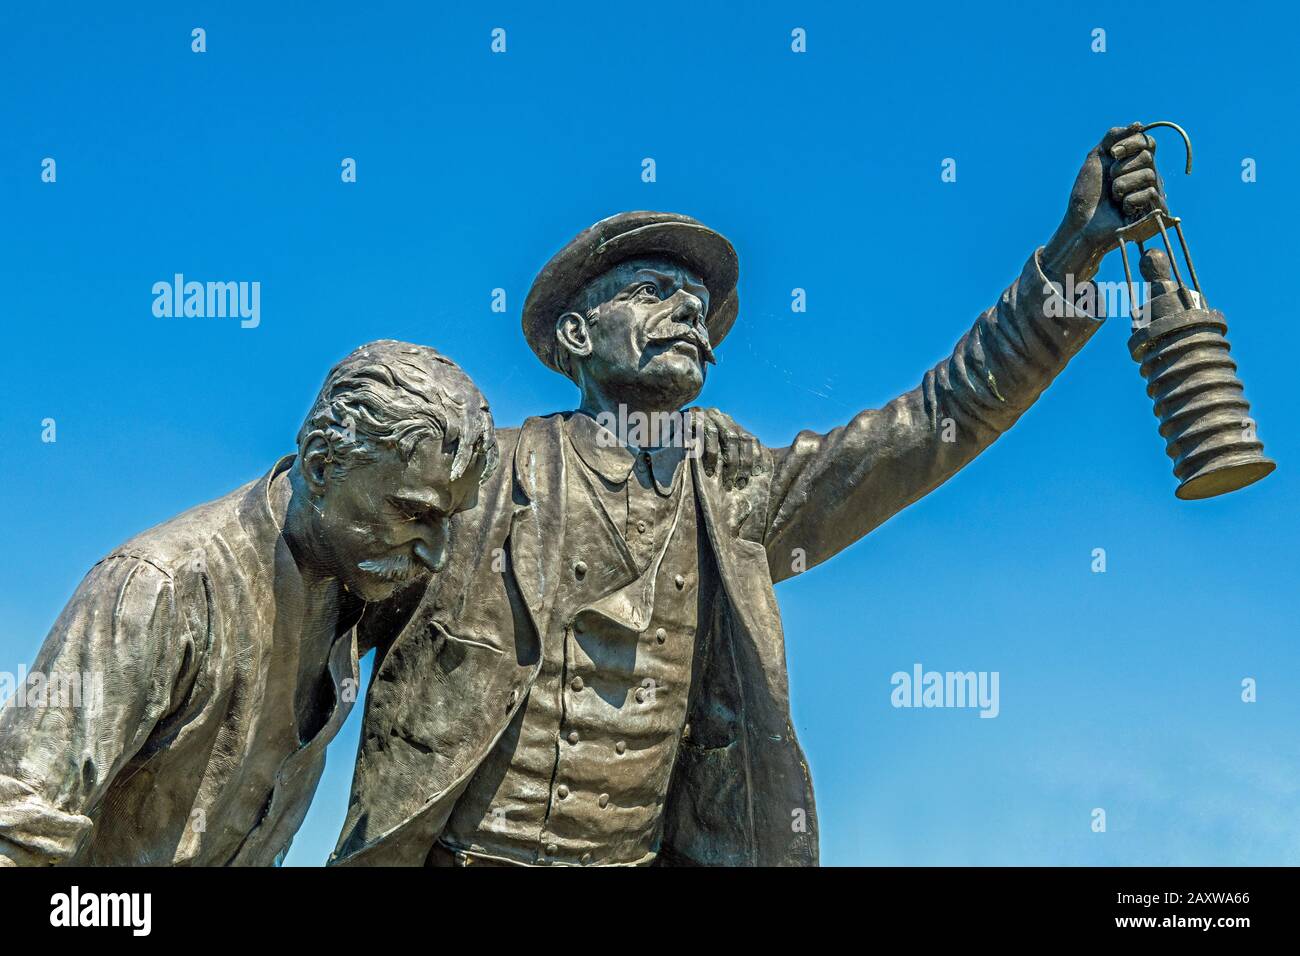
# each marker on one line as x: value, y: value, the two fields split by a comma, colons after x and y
x: 1187, y: 140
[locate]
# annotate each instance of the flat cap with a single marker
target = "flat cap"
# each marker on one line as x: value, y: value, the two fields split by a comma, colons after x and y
x: 632, y: 235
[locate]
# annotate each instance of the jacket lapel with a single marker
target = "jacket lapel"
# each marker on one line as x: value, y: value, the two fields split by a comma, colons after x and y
x: 781, y: 822
x: 539, y: 478
x: 742, y: 563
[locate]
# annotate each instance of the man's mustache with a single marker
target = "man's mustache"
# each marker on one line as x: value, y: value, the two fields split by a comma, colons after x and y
x: 396, y: 567
x: 680, y: 332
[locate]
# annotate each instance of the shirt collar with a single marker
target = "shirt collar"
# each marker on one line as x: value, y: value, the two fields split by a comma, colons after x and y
x: 257, y: 512
x: 601, y: 451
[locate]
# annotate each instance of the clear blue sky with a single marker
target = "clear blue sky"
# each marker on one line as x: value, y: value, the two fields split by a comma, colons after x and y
x: 1118, y: 690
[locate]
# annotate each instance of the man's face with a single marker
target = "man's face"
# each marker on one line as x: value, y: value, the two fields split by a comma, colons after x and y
x: 385, y: 521
x: 645, y: 323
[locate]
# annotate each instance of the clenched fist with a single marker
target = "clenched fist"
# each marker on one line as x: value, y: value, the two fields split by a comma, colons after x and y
x: 1117, y: 184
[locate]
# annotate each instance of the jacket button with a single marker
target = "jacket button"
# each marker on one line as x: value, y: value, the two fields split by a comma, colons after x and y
x: 573, y: 736
x: 641, y: 526
x: 576, y: 683
x: 661, y: 635
x: 552, y: 849
x: 561, y: 791
x: 620, y: 746
x: 586, y: 858
x: 603, y: 801
x: 580, y: 570
x: 680, y: 582
x: 640, y: 696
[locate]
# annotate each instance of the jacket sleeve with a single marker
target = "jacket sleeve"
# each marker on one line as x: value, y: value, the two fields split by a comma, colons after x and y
x: 102, y: 681
x: 829, y: 490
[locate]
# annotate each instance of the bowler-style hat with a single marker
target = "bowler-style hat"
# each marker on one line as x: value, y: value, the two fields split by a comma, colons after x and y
x: 632, y: 235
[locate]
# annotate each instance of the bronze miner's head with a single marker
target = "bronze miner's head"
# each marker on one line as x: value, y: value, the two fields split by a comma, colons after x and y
x: 633, y: 307
x: 397, y: 442
x: 637, y: 333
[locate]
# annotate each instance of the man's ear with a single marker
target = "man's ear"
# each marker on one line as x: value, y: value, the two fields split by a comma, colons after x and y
x: 315, y: 462
x: 573, y: 334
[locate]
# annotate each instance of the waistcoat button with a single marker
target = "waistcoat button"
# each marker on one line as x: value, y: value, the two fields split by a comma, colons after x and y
x: 680, y: 582
x: 561, y: 791
x: 661, y: 635
x: 576, y: 683
x: 580, y: 570
x: 573, y: 736
x: 620, y: 746
x: 604, y: 800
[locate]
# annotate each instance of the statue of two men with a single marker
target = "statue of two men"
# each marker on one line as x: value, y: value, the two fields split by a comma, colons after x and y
x: 589, y: 668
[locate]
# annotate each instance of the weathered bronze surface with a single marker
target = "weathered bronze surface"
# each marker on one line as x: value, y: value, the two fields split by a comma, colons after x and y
x: 599, y: 677
x: 222, y: 640
x: 596, y: 673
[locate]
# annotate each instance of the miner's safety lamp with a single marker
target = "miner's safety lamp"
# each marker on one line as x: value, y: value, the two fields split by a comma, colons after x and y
x: 1179, y: 344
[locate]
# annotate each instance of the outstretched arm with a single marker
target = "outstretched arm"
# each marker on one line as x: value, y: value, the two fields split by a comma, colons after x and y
x: 828, y: 490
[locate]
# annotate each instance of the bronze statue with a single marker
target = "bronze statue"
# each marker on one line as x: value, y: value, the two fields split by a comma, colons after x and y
x: 596, y: 673
x: 598, y: 676
x: 224, y: 638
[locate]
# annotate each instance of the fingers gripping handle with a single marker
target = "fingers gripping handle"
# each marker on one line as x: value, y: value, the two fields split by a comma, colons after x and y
x: 1153, y: 223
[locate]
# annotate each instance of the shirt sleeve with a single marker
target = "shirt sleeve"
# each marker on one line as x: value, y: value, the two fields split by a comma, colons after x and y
x: 102, y: 680
x: 828, y: 490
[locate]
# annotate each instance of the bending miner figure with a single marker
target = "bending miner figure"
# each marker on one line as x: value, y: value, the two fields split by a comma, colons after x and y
x: 214, y: 655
